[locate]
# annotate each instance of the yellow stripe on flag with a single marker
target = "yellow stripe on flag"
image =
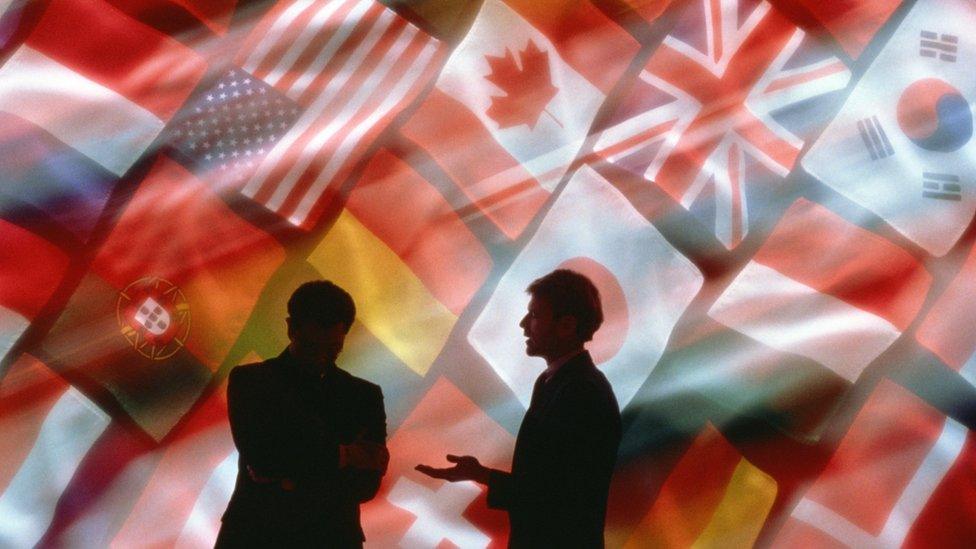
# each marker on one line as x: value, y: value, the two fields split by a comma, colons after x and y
x: 743, y: 509
x: 390, y: 300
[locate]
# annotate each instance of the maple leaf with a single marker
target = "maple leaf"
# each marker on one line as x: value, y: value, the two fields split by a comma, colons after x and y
x: 527, y: 89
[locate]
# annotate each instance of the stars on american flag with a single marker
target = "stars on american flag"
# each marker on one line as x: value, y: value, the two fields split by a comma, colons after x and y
x: 228, y: 129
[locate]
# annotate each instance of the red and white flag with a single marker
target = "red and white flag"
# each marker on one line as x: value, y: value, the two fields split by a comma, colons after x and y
x: 351, y: 65
x: 517, y: 98
x: 644, y: 292
x: 890, y: 475
x: 946, y: 330
x: 98, y: 80
x: 46, y: 429
x: 201, y: 445
x: 30, y: 271
x: 804, y: 291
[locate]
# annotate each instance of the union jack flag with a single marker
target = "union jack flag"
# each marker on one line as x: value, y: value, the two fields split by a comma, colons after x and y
x: 715, y: 95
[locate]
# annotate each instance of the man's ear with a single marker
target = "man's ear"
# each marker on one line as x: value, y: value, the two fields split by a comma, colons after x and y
x: 566, y: 326
x: 291, y: 327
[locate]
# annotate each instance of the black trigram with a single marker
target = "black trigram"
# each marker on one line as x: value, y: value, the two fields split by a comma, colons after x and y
x: 875, y: 138
x: 943, y: 186
x: 943, y: 46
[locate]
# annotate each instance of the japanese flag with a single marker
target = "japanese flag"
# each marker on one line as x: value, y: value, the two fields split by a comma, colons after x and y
x: 644, y: 291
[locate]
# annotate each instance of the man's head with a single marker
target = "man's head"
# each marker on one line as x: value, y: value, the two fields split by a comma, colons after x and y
x: 319, y: 317
x: 564, y: 313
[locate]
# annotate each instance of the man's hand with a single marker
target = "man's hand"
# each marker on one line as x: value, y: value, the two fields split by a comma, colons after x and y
x: 364, y: 454
x: 285, y: 483
x: 466, y: 468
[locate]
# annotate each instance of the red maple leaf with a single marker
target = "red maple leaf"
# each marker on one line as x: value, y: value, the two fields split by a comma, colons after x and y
x: 527, y: 89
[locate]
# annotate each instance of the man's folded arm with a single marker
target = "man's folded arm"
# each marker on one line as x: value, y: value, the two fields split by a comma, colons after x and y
x: 251, y: 425
x: 363, y: 484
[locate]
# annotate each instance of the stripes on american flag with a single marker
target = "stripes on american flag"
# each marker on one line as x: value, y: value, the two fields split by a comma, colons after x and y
x: 353, y: 65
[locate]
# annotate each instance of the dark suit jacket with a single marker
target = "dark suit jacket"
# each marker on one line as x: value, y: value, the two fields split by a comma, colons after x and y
x: 556, y: 494
x: 288, y: 424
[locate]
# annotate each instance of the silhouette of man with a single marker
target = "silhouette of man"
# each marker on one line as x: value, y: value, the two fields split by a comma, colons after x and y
x: 556, y: 494
x: 311, y: 437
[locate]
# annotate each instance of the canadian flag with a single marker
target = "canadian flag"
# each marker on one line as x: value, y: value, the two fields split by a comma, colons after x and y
x: 516, y: 99
x: 644, y: 292
x: 899, y: 478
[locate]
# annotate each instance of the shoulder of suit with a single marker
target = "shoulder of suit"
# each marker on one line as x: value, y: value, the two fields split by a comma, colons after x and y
x: 253, y: 370
x: 359, y: 383
x: 589, y: 384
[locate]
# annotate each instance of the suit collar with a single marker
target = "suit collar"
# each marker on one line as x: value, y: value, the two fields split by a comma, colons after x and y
x: 573, y: 366
x: 293, y: 368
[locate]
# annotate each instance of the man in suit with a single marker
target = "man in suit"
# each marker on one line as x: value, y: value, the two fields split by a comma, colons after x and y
x: 311, y: 437
x: 556, y: 494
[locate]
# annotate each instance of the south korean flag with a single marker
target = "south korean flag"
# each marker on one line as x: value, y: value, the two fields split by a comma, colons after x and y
x: 902, y: 146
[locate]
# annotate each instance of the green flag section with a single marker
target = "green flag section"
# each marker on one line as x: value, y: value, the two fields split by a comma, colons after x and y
x: 166, y: 297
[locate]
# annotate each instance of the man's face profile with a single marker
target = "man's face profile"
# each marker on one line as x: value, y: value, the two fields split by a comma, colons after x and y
x: 540, y: 328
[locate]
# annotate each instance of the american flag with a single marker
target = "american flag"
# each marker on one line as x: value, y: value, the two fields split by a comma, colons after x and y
x: 352, y: 65
x: 788, y: 326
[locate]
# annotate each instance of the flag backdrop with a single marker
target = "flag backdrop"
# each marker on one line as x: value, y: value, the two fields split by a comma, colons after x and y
x: 775, y: 199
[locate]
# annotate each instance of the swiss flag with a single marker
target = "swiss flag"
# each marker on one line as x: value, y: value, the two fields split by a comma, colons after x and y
x: 902, y: 473
x: 644, y: 292
x: 413, y: 510
x: 516, y: 99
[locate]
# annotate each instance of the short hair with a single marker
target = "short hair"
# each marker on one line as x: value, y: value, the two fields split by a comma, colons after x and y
x: 571, y: 294
x: 322, y: 302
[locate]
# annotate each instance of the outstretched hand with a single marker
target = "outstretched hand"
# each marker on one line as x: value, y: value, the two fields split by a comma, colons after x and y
x: 465, y: 468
